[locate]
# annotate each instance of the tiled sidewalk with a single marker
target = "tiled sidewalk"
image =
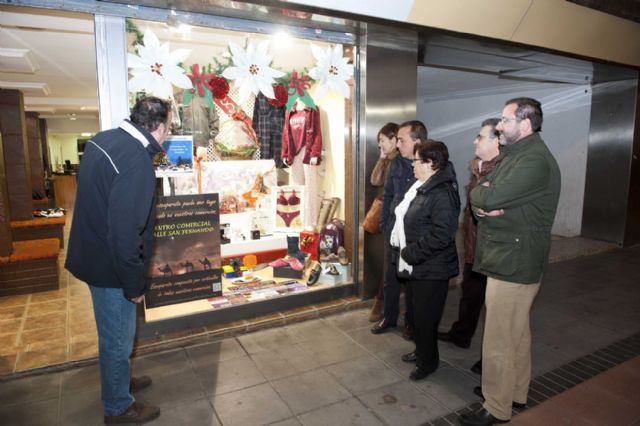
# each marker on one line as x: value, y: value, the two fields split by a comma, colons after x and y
x: 334, y: 371
x: 611, y: 398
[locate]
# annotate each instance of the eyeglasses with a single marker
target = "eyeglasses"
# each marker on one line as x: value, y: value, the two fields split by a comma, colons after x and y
x: 505, y: 120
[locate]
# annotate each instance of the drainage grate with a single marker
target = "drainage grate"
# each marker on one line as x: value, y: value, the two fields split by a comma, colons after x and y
x: 562, y: 378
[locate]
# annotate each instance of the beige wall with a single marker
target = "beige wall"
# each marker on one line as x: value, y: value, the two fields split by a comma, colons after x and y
x: 553, y: 24
x: 63, y: 147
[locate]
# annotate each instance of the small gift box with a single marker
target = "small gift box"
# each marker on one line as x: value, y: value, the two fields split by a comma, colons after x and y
x: 309, y: 243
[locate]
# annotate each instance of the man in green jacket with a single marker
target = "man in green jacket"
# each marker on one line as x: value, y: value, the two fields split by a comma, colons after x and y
x: 516, y: 205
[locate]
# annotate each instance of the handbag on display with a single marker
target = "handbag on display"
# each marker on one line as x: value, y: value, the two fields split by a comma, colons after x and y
x: 371, y: 222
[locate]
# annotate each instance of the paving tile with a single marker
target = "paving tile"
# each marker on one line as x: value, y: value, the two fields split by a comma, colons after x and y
x: 331, y: 350
x: 257, y: 405
x: 310, y: 390
x: 30, y: 389
x: 403, y: 404
x: 41, y: 358
x: 363, y: 374
x: 349, y: 321
x: 81, y: 408
x: 214, y: 352
x: 288, y: 422
x: 266, y: 340
x: 10, y: 326
x: 9, y: 343
x: 45, y: 308
x: 40, y: 413
x: 7, y: 363
x: 194, y: 413
x: 160, y: 364
x: 175, y: 388
x: 450, y: 387
x: 348, y: 412
x: 48, y: 296
x: 84, y: 327
x: 283, y: 362
x: 12, y: 312
x: 312, y: 330
x: 56, y: 319
x: 228, y: 376
x: 42, y: 334
x: 377, y: 342
x: 79, y: 380
x: 18, y: 300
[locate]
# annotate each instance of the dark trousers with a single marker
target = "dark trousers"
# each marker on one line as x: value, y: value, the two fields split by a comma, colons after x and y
x: 391, y: 288
x: 471, y: 303
x: 429, y: 298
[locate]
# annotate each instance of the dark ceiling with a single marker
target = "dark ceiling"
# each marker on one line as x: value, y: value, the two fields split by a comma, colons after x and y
x: 627, y: 9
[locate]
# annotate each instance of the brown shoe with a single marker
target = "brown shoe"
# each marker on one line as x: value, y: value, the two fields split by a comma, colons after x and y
x: 376, y: 311
x: 138, y: 383
x: 137, y: 412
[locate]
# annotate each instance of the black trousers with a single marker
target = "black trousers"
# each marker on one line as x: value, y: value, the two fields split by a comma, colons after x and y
x: 391, y: 287
x: 471, y: 303
x: 428, y: 298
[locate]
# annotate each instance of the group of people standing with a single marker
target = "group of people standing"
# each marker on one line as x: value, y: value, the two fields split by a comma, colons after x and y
x: 512, y: 197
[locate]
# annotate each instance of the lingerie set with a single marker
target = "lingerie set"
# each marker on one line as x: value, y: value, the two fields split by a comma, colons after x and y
x: 291, y: 200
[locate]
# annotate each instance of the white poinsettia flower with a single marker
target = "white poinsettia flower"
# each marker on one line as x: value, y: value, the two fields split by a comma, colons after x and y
x: 251, y: 72
x: 155, y: 69
x: 331, y: 70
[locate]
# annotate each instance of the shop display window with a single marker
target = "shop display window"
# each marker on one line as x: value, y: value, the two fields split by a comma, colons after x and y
x: 260, y: 122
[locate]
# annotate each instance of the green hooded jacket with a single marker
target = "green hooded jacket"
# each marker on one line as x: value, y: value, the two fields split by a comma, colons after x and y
x: 514, y: 247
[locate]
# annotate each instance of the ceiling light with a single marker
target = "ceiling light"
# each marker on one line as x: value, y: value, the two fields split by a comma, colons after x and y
x: 86, y: 134
x: 281, y: 39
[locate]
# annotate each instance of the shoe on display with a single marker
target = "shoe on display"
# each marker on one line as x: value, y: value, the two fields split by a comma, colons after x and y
x: 332, y: 270
x: 342, y: 256
x: 138, y: 412
x: 279, y: 263
x: 314, y: 275
x: 328, y: 257
x: 295, y: 264
x: 138, y: 383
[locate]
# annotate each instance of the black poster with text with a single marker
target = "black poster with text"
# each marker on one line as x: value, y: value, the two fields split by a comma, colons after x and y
x: 186, y: 262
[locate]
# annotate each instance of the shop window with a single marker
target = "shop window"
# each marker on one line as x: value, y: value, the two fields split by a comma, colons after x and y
x: 262, y: 119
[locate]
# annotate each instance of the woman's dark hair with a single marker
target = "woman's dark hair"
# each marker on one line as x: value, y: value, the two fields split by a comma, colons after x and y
x: 150, y: 112
x: 390, y: 130
x: 435, y: 151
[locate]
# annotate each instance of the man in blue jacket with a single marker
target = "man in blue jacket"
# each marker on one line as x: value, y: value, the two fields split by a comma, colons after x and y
x: 110, y: 245
x: 398, y: 180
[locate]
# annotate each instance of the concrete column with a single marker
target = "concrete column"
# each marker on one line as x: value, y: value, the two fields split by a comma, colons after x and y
x: 16, y: 154
x: 5, y: 231
x: 32, y: 125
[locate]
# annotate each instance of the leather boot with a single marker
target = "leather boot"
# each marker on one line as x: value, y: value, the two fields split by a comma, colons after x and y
x: 375, y: 314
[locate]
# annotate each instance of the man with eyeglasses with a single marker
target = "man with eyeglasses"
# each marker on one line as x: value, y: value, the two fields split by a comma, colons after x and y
x: 487, y: 149
x: 516, y: 205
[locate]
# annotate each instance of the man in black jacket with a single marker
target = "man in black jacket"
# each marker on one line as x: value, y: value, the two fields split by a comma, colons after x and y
x: 110, y: 245
x: 398, y: 180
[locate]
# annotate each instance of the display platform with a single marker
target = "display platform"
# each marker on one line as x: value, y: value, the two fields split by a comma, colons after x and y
x: 254, y: 287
